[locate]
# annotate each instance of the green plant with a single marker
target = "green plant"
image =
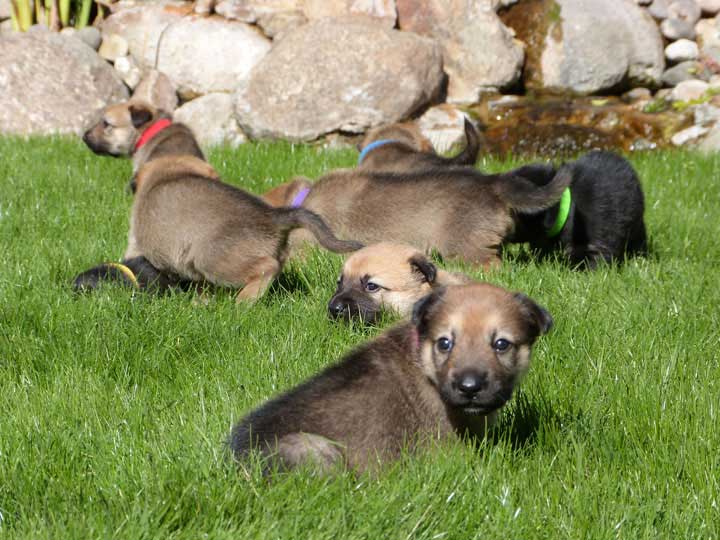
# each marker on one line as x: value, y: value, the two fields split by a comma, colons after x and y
x: 55, y: 14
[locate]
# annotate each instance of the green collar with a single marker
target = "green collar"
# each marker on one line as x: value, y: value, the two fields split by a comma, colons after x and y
x: 562, y: 215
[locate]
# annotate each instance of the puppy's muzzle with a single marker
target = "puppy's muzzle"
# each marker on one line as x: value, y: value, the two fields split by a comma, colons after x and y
x: 470, y: 383
x: 347, y: 306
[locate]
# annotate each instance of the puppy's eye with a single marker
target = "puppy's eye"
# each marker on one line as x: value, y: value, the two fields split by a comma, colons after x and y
x: 372, y: 287
x: 444, y: 344
x: 501, y: 345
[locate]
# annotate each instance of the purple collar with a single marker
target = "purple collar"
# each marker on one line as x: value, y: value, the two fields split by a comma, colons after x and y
x: 300, y: 197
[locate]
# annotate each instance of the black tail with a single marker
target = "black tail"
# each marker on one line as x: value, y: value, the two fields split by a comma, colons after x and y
x: 469, y: 154
x: 524, y: 195
x: 293, y: 218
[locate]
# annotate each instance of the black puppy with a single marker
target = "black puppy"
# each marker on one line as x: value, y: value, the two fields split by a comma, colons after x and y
x: 135, y: 273
x: 599, y: 217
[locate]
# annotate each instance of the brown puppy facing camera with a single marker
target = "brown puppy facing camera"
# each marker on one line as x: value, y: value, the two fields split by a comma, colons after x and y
x: 445, y: 373
x: 386, y: 276
x: 187, y: 222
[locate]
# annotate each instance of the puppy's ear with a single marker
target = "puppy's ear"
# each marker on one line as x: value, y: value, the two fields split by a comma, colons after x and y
x: 424, y: 307
x: 538, y: 317
x: 140, y: 114
x: 422, y: 265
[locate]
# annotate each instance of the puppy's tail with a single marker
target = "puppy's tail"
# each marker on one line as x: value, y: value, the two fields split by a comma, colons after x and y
x: 524, y: 195
x: 293, y: 218
x: 469, y: 154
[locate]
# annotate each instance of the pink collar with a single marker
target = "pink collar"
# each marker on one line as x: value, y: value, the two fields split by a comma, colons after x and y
x: 150, y: 132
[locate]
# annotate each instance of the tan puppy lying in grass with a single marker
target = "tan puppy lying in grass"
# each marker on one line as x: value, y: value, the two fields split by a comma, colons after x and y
x: 446, y: 373
x: 386, y: 276
x: 186, y: 221
x: 459, y: 212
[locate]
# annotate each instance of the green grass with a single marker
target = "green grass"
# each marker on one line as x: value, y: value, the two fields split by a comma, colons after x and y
x: 114, y: 408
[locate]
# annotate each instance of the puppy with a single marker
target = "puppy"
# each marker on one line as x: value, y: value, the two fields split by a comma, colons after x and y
x: 402, y: 147
x: 459, y: 212
x: 445, y: 373
x: 598, y: 218
x: 386, y: 276
x: 395, y: 148
x: 136, y: 273
x: 186, y: 221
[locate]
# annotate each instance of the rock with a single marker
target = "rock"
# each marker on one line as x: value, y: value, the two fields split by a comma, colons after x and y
x: 128, y: 70
x: 204, y: 7
x: 338, y: 74
x: 686, y: 10
x: 681, y: 51
x: 706, y: 114
x: 684, y: 71
x: 674, y: 29
x: 708, y: 34
x: 90, y: 35
x: 689, y: 90
x: 273, y: 16
x: 6, y: 26
x: 588, y: 46
x: 212, y: 120
x: 444, y: 126
x: 637, y: 95
x: 64, y: 90
x: 479, y: 52
x: 643, y: 2
x: 157, y: 89
x: 113, y: 47
x: 222, y: 54
x: 687, y: 135
x: 709, y: 7
x: 143, y: 25
x: 383, y: 11
x: 659, y: 9
x: 5, y: 10
x: 711, y: 142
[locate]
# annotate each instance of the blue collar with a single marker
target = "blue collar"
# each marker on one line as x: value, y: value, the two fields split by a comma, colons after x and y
x: 372, y: 146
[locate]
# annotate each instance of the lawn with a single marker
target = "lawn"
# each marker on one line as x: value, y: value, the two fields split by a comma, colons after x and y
x: 114, y: 407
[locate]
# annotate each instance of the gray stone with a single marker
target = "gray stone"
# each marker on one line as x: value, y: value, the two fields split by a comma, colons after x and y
x: 479, y: 52
x: 274, y: 24
x: 5, y: 10
x: 382, y: 11
x: 659, y: 9
x: 204, y: 7
x: 708, y: 34
x: 91, y: 36
x: 6, y: 26
x: 711, y: 142
x: 689, y: 90
x: 444, y: 126
x: 338, y: 74
x: 643, y: 2
x: 706, y: 114
x: 66, y: 87
x: 681, y: 51
x: 709, y: 7
x: 684, y: 71
x: 113, y: 47
x: 637, y: 94
x: 677, y: 29
x: 686, y: 10
x: 128, y: 70
x: 157, y: 89
x: 212, y: 120
x: 594, y: 46
x: 143, y: 25
x: 273, y: 16
x: 690, y: 134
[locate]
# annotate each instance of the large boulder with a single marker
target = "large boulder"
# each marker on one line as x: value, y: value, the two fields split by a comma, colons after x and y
x: 479, y: 52
x: 588, y: 46
x: 338, y: 74
x: 51, y: 83
x: 200, y: 54
x: 212, y: 120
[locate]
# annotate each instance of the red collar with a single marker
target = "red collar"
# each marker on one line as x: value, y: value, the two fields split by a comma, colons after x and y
x: 150, y: 132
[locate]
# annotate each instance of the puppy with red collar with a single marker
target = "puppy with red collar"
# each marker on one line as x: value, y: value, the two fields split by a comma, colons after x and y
x: 185, y: 220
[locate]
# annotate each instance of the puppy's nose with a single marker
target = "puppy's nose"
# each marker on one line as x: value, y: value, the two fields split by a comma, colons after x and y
x: 471, y: 383
x: 337, y: 308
